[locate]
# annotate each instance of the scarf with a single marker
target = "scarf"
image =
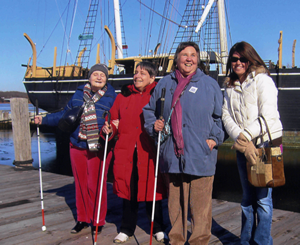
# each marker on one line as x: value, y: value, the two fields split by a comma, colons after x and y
x: 88, y: 129
x: 176, y: 117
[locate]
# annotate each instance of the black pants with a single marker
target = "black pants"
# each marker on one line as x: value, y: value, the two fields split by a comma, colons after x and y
x: 130, y: 207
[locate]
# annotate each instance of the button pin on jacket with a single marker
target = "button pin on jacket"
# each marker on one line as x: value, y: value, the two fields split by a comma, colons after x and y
x: 193, y: 89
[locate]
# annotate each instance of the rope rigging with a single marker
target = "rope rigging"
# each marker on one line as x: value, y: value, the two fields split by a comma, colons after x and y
x: 164, y: 34
x: 149, y: 28
x: 66, y: 37
x: 228, y: 26
x: 161, y: 15
x: 52, y: 31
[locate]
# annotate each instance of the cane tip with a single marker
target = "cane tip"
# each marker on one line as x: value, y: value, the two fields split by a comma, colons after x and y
x: 43, y: 228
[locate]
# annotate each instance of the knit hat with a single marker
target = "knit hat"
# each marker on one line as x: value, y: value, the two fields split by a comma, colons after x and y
x: 99, y: 67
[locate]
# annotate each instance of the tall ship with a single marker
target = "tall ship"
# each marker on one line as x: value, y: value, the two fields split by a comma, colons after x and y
x: 202, y: 21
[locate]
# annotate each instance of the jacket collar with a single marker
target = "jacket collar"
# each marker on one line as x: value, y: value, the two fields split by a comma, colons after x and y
x: 195, y: 78
x: 255, y: 70
x: 129, y: 89
x: 110, y: 89
x: 237, y: 86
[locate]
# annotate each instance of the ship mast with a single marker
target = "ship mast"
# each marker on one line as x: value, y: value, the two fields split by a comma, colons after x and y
x: 223, y: 34
x: 280, y: 51
x: 293, y: 53
x: 205, y: 24
x: 203, y: 16
x: 118, y: 29
x: 118, y: 32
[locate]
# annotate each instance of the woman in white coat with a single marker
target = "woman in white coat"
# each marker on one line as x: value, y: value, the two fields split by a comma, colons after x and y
x: 249, y: 94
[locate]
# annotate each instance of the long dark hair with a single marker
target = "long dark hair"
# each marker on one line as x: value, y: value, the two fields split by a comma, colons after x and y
x: 247, y: 51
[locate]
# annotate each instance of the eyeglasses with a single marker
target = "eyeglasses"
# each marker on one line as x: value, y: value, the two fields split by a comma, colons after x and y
x: 242, y: 59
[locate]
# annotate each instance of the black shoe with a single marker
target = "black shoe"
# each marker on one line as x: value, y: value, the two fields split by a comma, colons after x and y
x: 94, y: 229
x: 79, y: 226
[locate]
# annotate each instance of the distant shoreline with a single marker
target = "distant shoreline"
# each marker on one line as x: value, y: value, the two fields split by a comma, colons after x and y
x: 9, y: 102
x: 6, y: 95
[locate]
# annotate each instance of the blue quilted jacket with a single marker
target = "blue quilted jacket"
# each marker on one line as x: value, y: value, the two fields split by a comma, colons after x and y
x: 102, y: 105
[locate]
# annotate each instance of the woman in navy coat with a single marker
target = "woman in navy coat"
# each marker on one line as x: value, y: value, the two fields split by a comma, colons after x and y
x: 86, y: 152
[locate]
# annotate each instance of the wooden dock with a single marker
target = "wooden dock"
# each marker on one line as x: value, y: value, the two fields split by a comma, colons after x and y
x: 21, y: 219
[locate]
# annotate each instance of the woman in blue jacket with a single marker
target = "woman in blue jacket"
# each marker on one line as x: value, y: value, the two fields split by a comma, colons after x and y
x: 86, y: 152
x: 193, y: 101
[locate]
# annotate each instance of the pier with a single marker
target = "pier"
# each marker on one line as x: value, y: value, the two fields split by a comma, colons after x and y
x: 21, y: 217
x: 5, y: 119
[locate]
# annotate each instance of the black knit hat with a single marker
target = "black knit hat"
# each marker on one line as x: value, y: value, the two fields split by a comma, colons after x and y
x: 99, y: 67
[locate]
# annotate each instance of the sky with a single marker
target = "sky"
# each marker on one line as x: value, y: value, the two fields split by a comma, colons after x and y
x: 258, y: 22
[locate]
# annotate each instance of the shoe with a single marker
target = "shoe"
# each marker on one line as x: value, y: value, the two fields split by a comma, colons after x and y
x: 121, y: 238
x: 161, y: 237
x: 79, y: 226
x: 94, y: 229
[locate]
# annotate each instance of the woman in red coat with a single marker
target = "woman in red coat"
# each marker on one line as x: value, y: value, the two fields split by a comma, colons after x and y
x: 135, y: 154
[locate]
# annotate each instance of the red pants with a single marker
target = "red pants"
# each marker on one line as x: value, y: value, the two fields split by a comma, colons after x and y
x: 87, y: 171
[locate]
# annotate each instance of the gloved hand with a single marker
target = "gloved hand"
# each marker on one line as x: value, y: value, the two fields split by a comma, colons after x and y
x: 241, y: 143
x: 247, y: 147
x: 251, y: 153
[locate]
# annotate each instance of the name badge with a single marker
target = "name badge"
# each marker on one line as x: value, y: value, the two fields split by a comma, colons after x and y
x: 193, y: 89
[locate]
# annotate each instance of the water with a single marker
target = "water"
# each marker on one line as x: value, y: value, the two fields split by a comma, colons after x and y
x: 47, y: 143
x: 6, y: 107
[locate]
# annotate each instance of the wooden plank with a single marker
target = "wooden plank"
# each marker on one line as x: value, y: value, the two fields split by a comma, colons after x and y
x: 21, y: 219
x: 285, y: 227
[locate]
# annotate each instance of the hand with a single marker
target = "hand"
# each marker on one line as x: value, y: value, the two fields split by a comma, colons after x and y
x: 38, y: 120
x: 107, y: 129
x: 159, y: 125
x: 247, y: 147
x: 241, y: 143
x: 211, y: 143
x: 251, y: 153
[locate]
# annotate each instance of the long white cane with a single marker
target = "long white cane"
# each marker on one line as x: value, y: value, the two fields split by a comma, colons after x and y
x: 40, y: 167
x: 102, y: 179
x: 162, y: 99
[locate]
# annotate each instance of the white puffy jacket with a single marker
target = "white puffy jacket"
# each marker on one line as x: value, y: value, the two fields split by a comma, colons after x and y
x: 244, y: 103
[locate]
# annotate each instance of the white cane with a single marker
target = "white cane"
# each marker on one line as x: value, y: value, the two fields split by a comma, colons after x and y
x: 162, y: 99
x: 40, y: 167
x: 102, y: 179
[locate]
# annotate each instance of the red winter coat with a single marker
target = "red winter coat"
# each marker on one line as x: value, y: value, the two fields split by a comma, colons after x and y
x: 131, y: 133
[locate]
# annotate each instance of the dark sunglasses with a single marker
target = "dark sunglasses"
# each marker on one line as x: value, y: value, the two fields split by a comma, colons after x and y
x: 242, y: 59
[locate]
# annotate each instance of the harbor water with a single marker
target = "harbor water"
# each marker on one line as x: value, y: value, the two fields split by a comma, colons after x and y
x: 47, y: 145
x: 47, y: 149
x: 226, y: 184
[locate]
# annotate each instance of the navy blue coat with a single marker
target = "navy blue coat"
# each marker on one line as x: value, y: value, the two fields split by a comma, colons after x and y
x: 102, y: 105
x: 201, y: 119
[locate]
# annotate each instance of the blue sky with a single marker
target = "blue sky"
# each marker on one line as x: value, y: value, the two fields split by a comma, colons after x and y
x: 257, y: 22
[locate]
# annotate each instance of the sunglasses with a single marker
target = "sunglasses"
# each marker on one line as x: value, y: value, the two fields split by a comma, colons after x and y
x: 242, y: 59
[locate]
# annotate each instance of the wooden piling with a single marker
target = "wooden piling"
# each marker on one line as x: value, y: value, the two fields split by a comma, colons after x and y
x: 5, y: 120
x: 21, y: 132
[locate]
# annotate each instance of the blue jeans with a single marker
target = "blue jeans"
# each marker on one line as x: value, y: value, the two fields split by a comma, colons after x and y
x: 257, y: 209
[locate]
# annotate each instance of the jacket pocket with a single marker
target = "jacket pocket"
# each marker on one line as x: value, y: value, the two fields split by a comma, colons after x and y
x: 195, y: 142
